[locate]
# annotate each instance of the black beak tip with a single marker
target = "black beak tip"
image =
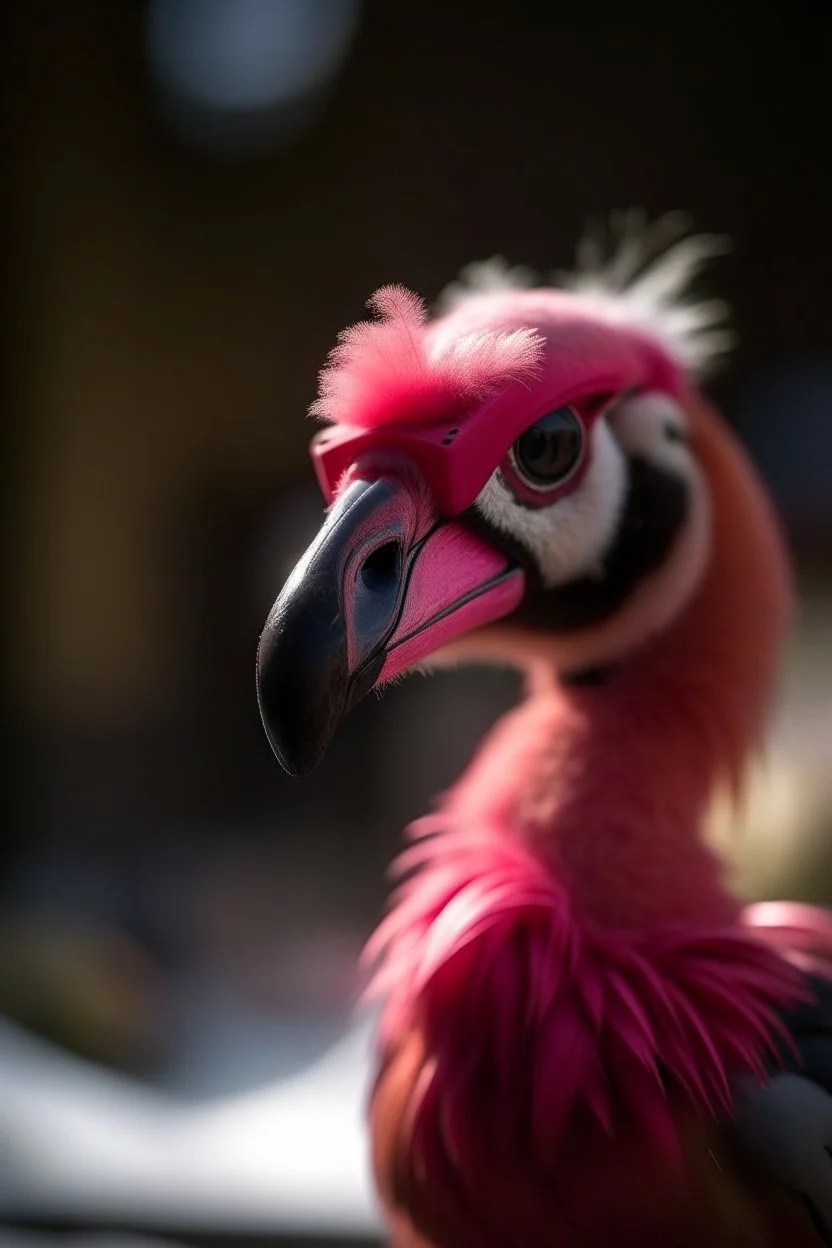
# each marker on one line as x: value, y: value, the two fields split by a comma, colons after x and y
x: 306, y: 682
x: 294, y: 761
x: 300, y: 693
x: 297, y: 764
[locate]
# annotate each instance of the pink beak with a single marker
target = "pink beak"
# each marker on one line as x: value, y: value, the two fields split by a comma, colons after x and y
x: 385, y: 584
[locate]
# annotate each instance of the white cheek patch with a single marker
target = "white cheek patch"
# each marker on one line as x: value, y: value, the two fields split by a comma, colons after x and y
x: 570, y: 538
x: 654, y: 427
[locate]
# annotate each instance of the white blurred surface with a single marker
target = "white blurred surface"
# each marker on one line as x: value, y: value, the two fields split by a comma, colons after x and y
x: 81, y: 1143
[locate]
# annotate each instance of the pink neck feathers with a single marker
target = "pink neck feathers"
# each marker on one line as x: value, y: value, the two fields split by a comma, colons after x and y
x: 569, y: 990
x: 610, y: 784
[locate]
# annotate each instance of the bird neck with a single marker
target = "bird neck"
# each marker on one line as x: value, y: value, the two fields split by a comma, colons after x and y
x: 610, y: 782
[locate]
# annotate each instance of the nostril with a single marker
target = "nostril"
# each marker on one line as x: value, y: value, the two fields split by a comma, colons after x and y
x: 378, y: 591
x: 380, y: 570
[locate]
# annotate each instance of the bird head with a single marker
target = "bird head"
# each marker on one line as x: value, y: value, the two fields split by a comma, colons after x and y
x: 513, y: 478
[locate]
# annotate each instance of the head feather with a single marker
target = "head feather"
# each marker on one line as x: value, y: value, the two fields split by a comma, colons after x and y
x: 633, y: 273
x: 388, y: 371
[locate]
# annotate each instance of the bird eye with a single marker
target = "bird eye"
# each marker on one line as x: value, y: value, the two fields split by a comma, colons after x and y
x: 550, y: 449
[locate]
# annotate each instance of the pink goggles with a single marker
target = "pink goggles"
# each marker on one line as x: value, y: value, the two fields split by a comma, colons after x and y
x: 458, y: 456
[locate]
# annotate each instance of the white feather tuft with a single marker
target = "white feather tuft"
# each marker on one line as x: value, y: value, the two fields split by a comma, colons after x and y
x: 646, y: 282
x: 485, y: 277
x: 631, y: 272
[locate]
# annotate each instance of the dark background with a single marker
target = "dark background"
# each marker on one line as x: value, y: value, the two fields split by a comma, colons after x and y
x: 176, y: 273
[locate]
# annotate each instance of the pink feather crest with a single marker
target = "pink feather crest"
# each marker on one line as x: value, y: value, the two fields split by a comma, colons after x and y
x: 539, y: 1027
x: 390, y: 371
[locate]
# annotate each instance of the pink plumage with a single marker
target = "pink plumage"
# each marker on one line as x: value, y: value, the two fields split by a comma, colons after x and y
x: 581, y: 991
x: 802, y: 933
x: 571, y: 995
x: 484, y: 931
x: 385, y: 372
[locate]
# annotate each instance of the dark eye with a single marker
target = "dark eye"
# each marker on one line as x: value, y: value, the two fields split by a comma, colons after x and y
x: 550, y: 449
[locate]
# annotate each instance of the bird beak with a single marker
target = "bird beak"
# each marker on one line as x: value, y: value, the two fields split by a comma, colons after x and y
x: 384, y: 584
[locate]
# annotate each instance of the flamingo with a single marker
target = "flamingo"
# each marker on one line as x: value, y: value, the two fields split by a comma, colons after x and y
x: 585, y: 1041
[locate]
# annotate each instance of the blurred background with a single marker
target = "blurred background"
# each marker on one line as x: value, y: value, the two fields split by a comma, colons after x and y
x: 200, y: 194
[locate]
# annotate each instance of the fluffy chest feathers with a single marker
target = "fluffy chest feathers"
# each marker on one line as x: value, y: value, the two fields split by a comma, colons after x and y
x: 546, y: 1081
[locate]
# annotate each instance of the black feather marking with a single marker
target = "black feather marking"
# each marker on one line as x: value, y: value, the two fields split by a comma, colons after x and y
x: 656, y: 509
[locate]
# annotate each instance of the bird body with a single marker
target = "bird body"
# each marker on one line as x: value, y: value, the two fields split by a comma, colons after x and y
x: 584, y: 1036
